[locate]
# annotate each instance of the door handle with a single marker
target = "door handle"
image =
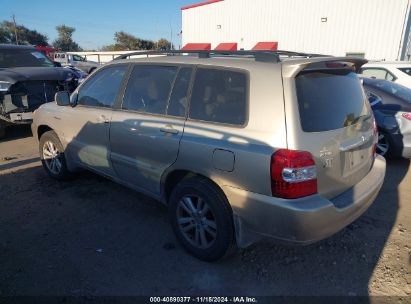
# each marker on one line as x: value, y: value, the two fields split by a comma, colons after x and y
x: 169, y: 130
x: 103, y: 119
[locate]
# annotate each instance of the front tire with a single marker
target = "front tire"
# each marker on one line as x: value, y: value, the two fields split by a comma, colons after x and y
x: 52, y: 156
x: 202, y: 219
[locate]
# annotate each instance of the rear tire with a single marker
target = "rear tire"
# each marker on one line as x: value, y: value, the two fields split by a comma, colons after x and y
x: 385, y: 145
x: 202, y: 219
x: 52, y: 156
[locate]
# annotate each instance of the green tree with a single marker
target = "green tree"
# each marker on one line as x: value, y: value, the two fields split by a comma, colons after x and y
x: 25, y: 35
x: 127, y: 42
x: 65, y: 41
x: 163, y: 44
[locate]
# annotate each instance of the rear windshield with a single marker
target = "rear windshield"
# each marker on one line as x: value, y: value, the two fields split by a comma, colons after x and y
x: 23, y: 58
x: 329, y: 100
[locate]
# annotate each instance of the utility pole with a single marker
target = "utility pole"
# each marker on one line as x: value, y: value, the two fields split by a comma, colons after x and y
x: 15, y: 29
x: 171, y: 36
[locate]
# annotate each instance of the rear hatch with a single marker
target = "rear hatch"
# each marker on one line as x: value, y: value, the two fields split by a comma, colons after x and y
x: 328, y: 115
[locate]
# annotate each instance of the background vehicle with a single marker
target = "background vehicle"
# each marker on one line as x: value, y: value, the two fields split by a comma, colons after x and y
x: 238, y: 148
x: 46, y: 50
x: 80, y: 75
x: 76, y: 61
x: 27, y: 80
x: 397, y: 71
x: 391, y: 104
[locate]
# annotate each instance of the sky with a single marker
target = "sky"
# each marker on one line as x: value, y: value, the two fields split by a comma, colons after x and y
x: 97, y: 21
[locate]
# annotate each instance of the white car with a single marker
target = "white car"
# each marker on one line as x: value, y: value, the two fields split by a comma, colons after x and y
x: 398, y: 71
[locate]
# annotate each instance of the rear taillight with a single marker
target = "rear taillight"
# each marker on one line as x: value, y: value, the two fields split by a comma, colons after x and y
x: 293, y: 174
x: 406, y: 115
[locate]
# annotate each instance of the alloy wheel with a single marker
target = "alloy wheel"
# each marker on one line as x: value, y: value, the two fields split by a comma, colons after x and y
x: 196, y: 221
x: 52, y: 157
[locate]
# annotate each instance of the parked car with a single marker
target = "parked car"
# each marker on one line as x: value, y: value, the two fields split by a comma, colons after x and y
x: 76, y: 61
x: 46, y: 50
x: 27, y: 80
x: 239, y: 149
x: 391, y: 104
x: 397, y: 71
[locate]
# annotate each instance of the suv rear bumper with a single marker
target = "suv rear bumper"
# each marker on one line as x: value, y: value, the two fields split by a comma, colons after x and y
x: 305, y: 220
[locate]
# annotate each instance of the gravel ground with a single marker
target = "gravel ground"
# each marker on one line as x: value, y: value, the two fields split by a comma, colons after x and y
x: 92, y: 237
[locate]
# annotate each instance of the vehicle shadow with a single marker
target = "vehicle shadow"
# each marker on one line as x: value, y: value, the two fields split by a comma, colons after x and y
x: 16, y: 164
x: 343, y: 264
x: 16, y: 131
x: 144, y: 257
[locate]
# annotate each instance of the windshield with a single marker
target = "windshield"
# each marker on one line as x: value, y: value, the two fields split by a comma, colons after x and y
x: 330, y: 100
x: 23, y: 58
x: 394, y: 89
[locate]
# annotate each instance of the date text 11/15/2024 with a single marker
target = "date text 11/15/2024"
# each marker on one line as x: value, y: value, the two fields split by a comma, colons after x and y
x: 203, y: 300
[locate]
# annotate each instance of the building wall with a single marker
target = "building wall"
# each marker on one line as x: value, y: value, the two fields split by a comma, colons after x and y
x: 374, y: 27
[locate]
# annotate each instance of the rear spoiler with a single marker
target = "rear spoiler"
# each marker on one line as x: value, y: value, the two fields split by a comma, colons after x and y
x: 291, y: 68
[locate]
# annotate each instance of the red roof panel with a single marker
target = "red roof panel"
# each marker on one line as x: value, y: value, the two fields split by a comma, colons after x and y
x: 200, y: 4
x: 266, y: 46
x: 229, y: 46
x: 197, y: 47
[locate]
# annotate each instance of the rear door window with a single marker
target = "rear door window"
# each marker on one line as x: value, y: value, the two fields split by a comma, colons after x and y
x: 329, y: 100
x: 149, y: 88
x: 219, y: 96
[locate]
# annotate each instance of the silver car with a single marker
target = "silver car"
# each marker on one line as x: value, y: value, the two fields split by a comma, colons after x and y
x: 240, y: 146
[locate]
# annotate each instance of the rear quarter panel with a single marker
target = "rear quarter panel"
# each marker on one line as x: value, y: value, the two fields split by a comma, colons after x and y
x: 252, y: 145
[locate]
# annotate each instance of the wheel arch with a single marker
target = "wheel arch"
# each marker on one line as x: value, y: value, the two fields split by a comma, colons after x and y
x: 41, y: 129
x: 173, y: 177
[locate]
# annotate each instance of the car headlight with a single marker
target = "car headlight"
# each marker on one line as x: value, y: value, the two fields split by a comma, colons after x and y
x: 5, y: 86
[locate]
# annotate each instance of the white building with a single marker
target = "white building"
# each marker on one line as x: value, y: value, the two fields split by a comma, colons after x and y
x: 375, y: 29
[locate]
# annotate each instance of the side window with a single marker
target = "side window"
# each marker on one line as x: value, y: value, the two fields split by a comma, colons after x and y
x: 219, y: 96
x: 78, y: 58
x: 178, y: 100
x: 389, y: 77
x: 148, y: 88
x: 378, y: 74
x: 102, y: 89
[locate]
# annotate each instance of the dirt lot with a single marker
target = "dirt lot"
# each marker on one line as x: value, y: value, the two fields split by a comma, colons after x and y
x: 93, y: 237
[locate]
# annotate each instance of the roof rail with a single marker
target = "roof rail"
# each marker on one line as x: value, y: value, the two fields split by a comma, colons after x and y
x: 265, y: 56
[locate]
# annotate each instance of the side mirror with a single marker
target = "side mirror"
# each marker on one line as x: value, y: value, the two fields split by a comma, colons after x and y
x: 62, y: 98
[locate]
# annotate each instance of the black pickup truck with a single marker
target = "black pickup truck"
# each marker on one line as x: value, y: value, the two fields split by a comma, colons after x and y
x: 27, y: 80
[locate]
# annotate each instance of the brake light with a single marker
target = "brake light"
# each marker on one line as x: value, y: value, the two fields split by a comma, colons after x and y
x: 293, y: 174
x: 406, y: 115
